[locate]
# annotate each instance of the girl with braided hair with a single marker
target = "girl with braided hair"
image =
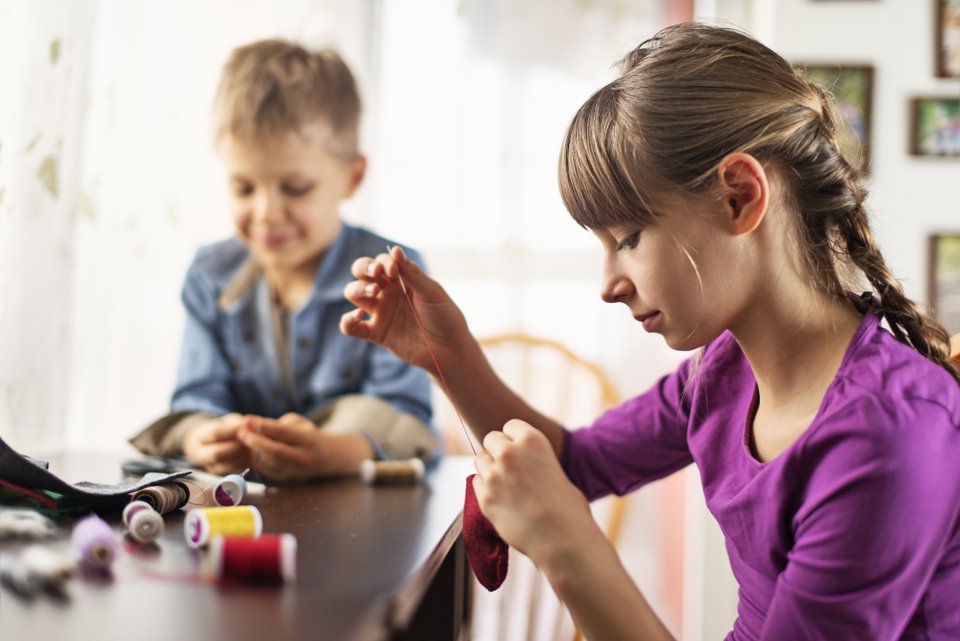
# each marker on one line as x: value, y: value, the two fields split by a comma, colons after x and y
x: 825, y: 423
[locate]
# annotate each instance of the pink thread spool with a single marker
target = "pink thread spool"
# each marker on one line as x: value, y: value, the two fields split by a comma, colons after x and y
x: 95, y: 544
x: 143, y: 522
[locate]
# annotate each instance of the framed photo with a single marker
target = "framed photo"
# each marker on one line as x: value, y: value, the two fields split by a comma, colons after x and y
x: 943, y: 279
x: 947, y: 38
x: 935, y: 127
x: 852, y: 88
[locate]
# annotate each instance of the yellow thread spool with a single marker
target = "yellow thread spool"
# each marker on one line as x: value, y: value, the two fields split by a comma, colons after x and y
x: 239, y: 520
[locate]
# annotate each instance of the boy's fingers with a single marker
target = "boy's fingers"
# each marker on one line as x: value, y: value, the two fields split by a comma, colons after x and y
x: 272, y: 448
x: 222, y: 431
x: 275, y: 432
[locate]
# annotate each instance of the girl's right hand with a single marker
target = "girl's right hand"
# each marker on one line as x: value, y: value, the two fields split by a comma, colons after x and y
x: 383, y: 314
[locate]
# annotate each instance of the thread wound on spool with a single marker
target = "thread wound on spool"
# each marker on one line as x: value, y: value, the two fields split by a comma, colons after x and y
x: 164, y: 498
x: 402, y: 471
x: 230, y: 490
x: 268, y: 558
x: 94, y: 542
x: 143, y: 522
x: 237, y: 521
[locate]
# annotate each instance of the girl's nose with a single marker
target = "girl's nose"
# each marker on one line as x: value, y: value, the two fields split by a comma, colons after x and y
x: 615, y: 288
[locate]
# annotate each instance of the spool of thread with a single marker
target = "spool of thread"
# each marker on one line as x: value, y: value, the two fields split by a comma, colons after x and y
x: 392, y: 472
x: 230, y: 490
x: 237, y: 521
x: 143, y: 522
x: 270, y: 558
x: 95, y: 544
x: 164, y: 498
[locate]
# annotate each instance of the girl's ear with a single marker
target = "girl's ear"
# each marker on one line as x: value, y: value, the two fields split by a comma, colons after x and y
x: 745, y: 191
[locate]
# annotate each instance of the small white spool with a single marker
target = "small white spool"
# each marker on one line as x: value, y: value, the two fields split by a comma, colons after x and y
x: 143, y: 522
x: 404, y: 471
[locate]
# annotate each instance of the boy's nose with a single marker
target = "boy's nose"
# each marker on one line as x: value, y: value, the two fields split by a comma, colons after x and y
x: 267, y: 207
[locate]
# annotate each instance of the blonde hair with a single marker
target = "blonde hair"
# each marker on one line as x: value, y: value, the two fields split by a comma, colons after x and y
x: 691, y: 95
x: 275, y: 87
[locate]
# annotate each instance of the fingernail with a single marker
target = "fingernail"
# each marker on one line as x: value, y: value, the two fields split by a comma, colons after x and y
x: 369, y: 290
x: 371, y: 269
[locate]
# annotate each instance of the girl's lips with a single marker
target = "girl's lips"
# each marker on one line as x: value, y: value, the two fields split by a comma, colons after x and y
x: 649, y: 321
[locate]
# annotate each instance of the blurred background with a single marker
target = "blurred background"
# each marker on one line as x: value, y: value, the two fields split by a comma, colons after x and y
x: 109, y: 183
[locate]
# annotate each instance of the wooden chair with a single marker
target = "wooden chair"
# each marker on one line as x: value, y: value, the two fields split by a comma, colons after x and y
x: 573, y: 390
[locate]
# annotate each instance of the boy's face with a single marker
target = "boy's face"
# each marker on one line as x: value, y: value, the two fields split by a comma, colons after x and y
x: 285, y: 193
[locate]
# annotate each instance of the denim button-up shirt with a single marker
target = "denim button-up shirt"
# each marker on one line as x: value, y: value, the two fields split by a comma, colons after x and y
x: 230, y: 360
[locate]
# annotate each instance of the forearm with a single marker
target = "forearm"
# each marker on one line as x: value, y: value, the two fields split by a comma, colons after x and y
x: 603, y: 600
x: 484, y: 401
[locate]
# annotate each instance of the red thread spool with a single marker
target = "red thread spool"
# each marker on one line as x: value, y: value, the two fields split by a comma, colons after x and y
x: 270, y: 558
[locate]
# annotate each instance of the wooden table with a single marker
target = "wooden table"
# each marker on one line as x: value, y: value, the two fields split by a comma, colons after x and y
x: 374, y: 562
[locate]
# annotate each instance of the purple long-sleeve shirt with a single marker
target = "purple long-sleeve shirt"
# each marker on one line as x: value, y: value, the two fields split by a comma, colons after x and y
x: 852, y: 532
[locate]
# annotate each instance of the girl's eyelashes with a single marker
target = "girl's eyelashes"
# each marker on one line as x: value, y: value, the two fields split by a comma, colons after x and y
x: 629, y: 242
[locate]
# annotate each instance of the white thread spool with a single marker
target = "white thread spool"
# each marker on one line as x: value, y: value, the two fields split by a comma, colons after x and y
x: 143, y: 522
x: 394, y: 472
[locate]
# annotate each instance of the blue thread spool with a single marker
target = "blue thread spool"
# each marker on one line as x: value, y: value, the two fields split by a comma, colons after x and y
x: 231, y: 489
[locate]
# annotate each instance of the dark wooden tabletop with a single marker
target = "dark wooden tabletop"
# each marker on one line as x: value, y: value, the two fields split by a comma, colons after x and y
x: 366, y: 554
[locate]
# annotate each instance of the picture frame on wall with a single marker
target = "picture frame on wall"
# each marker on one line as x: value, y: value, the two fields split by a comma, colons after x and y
x: 947, y: 38
x: 935, y: 126
x: 852, y: 89
x: 943, y: 279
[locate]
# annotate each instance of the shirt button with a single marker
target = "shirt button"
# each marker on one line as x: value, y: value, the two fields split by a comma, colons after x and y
x: 248, y: 336
x: 303, y: 343
x: 346, y: 373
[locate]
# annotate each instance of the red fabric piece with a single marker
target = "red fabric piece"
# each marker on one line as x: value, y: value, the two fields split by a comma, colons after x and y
x: 486, y: 551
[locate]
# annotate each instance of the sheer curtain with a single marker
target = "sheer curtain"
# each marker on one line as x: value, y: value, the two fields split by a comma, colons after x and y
x: 108, y: 182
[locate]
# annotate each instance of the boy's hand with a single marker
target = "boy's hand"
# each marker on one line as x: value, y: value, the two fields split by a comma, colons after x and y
x: 522, y: 489
x: 377, y: 292
x: 214, y: 446
x: 291, y: 448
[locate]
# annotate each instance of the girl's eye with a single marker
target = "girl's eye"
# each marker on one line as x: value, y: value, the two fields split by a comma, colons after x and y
x: 242, y: 190
x: 297, y: 190
x: 629, y: 242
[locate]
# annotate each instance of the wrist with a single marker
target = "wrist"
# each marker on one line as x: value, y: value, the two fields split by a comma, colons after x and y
x: 563, y: 560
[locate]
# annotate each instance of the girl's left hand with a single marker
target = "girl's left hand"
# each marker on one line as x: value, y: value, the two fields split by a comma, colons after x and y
x: 522, y: 489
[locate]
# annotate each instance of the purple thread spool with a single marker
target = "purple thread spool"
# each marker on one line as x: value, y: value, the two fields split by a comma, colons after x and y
x: 95, y: 543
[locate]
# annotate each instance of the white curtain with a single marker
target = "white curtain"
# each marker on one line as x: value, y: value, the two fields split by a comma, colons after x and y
x: 108, y: 183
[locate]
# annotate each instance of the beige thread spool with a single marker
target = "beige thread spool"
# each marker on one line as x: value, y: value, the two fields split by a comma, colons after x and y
x: 392, y: 472
x: 239, y: 520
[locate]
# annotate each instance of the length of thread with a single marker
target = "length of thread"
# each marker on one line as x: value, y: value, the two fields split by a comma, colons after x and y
x: 436, y: 363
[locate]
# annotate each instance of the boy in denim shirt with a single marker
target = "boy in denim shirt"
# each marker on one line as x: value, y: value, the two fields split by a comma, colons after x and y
x: 263, y: 362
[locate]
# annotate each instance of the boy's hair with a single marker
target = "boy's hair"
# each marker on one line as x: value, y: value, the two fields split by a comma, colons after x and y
x: 695, y: 93
x: 275, y: 87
